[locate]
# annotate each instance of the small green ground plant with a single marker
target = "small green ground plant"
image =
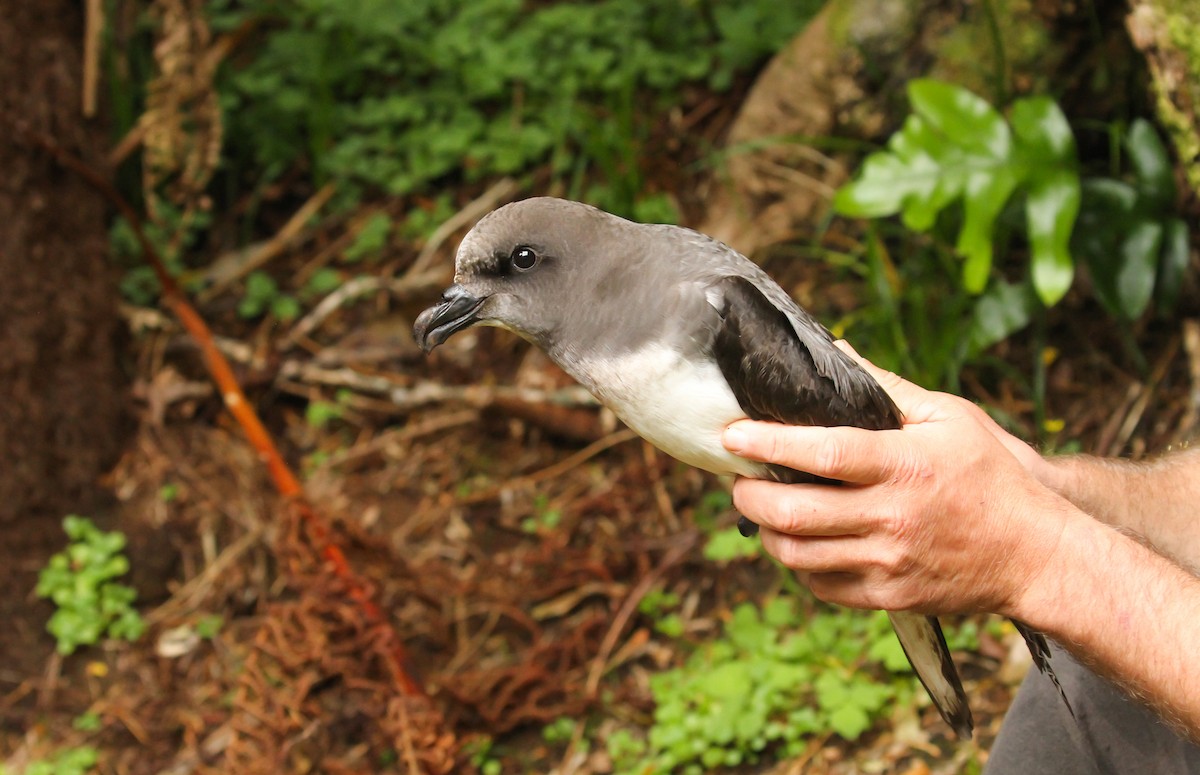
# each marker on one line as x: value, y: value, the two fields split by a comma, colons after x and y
x: 775, y: 678
x: 68, y: 761
x: 80, y: 580
x: 393, y: 96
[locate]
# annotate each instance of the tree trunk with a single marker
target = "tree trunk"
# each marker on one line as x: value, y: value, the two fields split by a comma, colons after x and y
x: 60, y: 382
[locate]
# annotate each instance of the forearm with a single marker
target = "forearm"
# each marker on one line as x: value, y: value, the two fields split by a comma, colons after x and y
x: 1128, y: 613
x: 1159, y: 500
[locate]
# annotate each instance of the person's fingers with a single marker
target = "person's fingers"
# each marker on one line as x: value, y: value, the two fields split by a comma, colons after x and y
x: 844, y: 453
x: 825, y: 554
x: 901, y: 390
x: 839, y: 588
x: 798, y: 509
x: 821, y: 565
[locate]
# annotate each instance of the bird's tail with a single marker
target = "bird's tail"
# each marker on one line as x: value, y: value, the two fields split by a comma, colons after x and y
x: 925, y: 646
x: 1040, y: 650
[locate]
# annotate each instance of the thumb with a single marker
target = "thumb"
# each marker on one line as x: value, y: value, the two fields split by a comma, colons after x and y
x: 904, y: 393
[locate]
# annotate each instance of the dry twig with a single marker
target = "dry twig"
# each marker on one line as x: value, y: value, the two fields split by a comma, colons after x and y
x: 550, y: 472
x: 475, y: 209
x: 683, y: 544
x: 227, y: 270
x: 403, y: 288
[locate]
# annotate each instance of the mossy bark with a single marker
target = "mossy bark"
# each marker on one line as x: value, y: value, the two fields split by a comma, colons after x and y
x: 1167, y: 32
x: 62, y: 392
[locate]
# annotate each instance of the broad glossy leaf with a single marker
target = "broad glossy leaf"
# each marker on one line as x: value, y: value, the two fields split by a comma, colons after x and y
x: 921, y: 207
x: 1050, y: 211
x: 879, y: 190
x: 965, y: 118
x: 1005, y: 309
x: 1111, y: 214
x: 1138, y: 256
x: 905, y: 174
x: 1106, y: 198
x: 1173, y: 263
x: 1042, y: 130
x: 1148, y: 156
x: 985, y: 195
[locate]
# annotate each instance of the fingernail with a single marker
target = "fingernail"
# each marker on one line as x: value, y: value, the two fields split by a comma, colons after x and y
x: 734, y: 439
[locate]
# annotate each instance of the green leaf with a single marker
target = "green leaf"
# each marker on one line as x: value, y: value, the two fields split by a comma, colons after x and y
x: 1050, y: 211
x: 867, y: 694
x: 209, y: 625
x: 780, y: 611
x: 1110, y: 215
x: 964, y: 118
x: 1137, y: 258
x: 985, y: 196
x: 670, y: 625
x: 849, y: 721
x: 261, y: 286
x: 1042, y: 131
x: 888, y: 651
x: 371, y: 238
x: 285, y: 307
x: 1005, y: 309
x: 1173, y: 264
x: 831, y: 689
x: 1151, y: 165
x: 746, y: 629
x: 879, y: 190
x: 728, y: 545
x: 323, y: 281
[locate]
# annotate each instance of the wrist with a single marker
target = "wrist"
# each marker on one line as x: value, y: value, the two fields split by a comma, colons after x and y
x: 1060, y: 473
x: 1044, y: 601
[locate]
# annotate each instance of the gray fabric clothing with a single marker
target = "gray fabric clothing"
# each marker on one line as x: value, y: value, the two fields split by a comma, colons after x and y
x: 1110, y: 733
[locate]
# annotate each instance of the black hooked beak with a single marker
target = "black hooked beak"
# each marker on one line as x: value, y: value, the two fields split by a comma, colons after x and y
x: 455, y: 312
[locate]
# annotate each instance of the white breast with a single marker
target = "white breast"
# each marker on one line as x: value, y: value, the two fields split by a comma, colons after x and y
x: 677, y: 405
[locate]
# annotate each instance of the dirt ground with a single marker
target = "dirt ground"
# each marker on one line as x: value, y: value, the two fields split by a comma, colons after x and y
x: 468, y: 562
x: 507, y: 625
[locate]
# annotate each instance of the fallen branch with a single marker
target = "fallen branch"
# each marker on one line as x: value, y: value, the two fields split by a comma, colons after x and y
x: 474, y: 210
x: 227, y: 271
x: 398, y: 436
x: 409, y: 285
x: 421, y: 394
x: 683, y: 544
x: 550, y: 472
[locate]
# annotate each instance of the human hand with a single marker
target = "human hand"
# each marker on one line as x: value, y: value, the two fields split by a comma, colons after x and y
x: 904, y: 393
x: 942, y: 516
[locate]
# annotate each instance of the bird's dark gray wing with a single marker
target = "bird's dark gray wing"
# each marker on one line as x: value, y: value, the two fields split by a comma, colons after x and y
x: 775, y: 376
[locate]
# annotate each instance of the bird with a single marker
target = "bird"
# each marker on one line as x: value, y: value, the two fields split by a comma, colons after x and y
x: 679, y: 335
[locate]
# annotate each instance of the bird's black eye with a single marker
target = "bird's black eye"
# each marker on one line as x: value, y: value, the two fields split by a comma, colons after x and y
x: 523, y: 257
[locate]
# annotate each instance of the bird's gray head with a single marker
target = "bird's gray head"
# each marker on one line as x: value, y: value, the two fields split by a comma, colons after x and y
x: 530, y: 265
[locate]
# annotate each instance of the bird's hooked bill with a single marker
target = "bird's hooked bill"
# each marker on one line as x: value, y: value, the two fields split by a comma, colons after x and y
x: 455, y: 312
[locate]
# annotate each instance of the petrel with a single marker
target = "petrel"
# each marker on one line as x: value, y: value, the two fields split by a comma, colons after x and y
x: 679, y: 335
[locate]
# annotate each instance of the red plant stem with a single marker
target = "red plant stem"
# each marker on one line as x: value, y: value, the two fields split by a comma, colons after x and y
x: 235, y: 401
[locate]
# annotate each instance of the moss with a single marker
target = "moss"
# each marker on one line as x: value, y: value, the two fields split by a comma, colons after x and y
x: 995, y: 48
x: 1169, y: 32
x: 1001, y: 48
